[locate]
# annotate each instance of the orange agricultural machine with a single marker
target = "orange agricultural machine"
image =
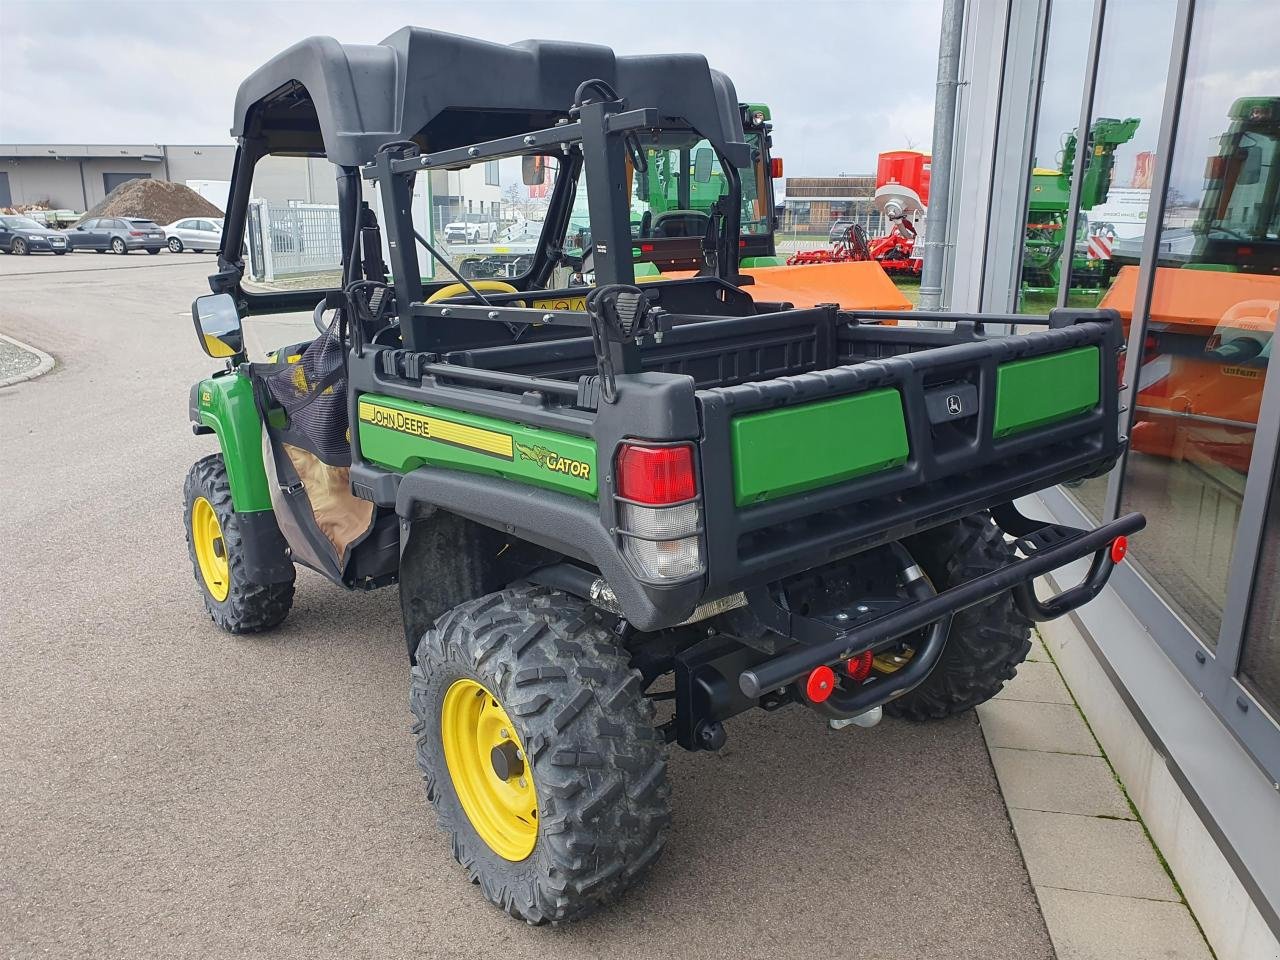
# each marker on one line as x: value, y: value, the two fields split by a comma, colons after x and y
x: 1214, y: 310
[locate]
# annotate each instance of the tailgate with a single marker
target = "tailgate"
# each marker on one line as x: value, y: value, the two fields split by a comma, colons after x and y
x: 800, y: 470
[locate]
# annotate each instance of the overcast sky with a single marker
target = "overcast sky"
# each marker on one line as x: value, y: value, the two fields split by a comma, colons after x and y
x: 846, y: 80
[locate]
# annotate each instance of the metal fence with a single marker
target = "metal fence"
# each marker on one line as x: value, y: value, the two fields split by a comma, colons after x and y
x: 798, y: 231
x: 292, y: 240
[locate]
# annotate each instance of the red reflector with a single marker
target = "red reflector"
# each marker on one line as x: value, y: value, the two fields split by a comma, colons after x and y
x: 821, y: 684
x: 859, y: 667
x: 656, y: 475
x: 646, y: 248
x: 742, y: 243
x: 1119, y: 547
x: 775, y: 167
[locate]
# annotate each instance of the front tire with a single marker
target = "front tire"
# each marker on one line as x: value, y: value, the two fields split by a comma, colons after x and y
x: 20, y: 247
x: 987, y: 642
x: 117, y: 246
x: 576, y: 771
x: 214, y: 543
x: 175, y: 245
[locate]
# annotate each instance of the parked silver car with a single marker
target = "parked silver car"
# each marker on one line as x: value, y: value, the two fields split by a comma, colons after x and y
x: 117, y: 235
x: 194, y: 233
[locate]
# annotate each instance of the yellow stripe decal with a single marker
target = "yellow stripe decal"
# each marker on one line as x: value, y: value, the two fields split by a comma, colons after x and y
x: 433, y: 428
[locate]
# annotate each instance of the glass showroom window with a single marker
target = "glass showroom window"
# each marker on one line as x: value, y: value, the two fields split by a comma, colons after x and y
x: 1119, y: 156
x: 1049, y: 188
x: 1260, y: 657
x: 1212, y: 318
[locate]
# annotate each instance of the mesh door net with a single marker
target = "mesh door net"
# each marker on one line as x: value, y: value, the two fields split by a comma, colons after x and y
x: 313, y: 392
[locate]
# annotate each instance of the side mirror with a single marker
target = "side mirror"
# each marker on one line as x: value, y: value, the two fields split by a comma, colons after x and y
x: 218, y: 325
x: 533, y: 169
x: 703, y: 157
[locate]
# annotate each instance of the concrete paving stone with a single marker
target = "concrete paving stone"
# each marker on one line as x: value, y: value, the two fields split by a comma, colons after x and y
x: 1093, y: 854
x: 1024, y: 725
x: 1092, y: 926
x: 1037, y: 681
x: 1037, y: 654
x: 1058, y: 783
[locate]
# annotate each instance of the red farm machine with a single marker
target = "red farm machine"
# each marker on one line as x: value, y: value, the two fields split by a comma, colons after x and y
x: 902, y: 199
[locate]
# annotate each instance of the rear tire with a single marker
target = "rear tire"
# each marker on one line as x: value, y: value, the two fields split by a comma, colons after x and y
x: 234, y: 603
x: 986, y: 643
x: 153, y: 252
x: 595, y: 762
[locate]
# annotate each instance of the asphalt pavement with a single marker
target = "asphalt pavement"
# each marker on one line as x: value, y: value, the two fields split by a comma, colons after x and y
x: 170, y: 791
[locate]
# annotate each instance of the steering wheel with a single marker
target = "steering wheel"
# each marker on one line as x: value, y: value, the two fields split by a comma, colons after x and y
x: 484, y: 286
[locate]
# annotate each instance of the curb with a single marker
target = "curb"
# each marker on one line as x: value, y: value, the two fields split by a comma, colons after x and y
x: 41, y: 368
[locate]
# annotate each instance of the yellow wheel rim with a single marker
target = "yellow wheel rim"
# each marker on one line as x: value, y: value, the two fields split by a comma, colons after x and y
x: 489, y: 771
x: 211, y: 549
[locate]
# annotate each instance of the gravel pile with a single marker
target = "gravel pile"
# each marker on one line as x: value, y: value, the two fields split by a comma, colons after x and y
x: 157, y: 200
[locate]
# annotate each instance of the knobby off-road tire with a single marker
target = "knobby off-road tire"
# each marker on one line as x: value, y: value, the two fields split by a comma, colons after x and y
x: 246, y: 607
x: 596, y: 761
x: 987, y: 642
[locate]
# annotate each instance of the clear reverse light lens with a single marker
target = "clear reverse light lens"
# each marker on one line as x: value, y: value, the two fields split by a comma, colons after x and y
x: 660, y: 523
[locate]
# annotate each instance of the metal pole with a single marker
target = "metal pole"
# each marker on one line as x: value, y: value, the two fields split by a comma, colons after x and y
x: 944, y: 126
x: 1083, y: 149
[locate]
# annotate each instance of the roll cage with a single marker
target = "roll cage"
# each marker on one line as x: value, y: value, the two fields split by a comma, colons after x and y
x: 351, y: 104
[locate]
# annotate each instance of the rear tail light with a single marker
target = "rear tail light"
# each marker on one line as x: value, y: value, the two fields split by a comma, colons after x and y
x: 656, y: 475
x: 659, y: 516
x: 136, y: 233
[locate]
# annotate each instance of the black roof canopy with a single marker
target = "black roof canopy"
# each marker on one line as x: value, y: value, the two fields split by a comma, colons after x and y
x: 443, y: 90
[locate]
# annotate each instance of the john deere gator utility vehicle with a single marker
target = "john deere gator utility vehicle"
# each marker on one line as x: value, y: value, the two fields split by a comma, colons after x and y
x: 617, y: 527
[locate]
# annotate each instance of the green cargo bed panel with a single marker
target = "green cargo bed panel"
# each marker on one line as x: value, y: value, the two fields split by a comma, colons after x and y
x: 1043, y: 390
x: 402, y: 435
x: 777, y: 453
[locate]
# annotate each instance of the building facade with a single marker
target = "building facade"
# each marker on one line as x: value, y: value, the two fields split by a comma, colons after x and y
x: 1126, y: 154
x: 77, y: 176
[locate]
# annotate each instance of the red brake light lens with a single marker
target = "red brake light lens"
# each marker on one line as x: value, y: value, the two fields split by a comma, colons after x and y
x: 656, y: 475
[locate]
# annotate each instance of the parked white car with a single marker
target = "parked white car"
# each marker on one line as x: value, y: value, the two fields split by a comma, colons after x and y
x: 464, y: 232
x: 194, y: 233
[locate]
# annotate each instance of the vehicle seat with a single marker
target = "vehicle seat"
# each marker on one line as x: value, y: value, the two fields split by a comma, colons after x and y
x: 680, y: 223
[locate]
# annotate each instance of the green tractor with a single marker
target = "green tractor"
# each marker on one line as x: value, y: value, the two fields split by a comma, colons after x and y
x: 618, y: 515
x: 1049, y: 202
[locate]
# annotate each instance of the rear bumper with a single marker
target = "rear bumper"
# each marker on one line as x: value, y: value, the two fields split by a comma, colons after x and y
x: 1045, y: 547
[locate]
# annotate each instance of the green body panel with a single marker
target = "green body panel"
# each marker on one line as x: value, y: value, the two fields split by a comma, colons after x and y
x: 781, y: 452
x: 402, y: 435
x: 225, y: 405
x: 1043, y: 390
x: 748, y: 262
